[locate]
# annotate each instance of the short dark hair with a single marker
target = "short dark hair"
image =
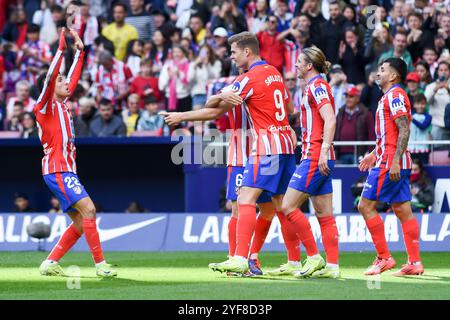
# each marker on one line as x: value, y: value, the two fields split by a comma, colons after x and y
x: 399, y: 65
x: 150, y: 99
x: 245, y: 40
x: 76, y: 3
x: 33, y: 28
x: 56, y: 8
x: 420, y: 97
x: 105, y: 102
x: 430, y: 48
x: 444, y: 62
x: 120, y: 4
x: 414, y: 14
x: 19, y: 103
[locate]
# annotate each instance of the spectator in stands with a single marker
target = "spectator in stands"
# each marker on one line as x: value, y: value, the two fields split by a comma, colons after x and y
x: 150, y: 120
x: 90, y: 23
x: 413, y: 85
x: 271, y: 48
x: 418, y: 38
x: 379, y: 43
x: 422, y: 188
x: 44, y: 19
x: 205, y: 68
x: 88, y: 112
x: 23, y: 95
x: 135, y: 51
x: 399, y: 51
x: 119, y: 32
x: 112, y: 79
x: 230, y: 18
x: 438, y: 96
x: 33, y: 54
x: 430, y: 56
x: 332, y: 33
x: 13, y: 123
x: 351, y: 57
x: 423, y: 70
x: 338, y: 84
x: 146, y: 84
x: 311, y: 10
x: 160, y: 51
x: 16, y: 28
x: 257, y: 22
x: 420, y: 129
x: 141, y: 20
x: 55, y: 205
x: 354, y: 122
x: 197, y: 29
x: 107, y: 124
x: 173, y: 80
x: 28, y: 122
x: 132, y: 113
x: 283, y: 15
x: 21, y: 203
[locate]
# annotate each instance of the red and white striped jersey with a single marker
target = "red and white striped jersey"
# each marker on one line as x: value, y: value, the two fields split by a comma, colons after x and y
x: 291, y: 55
x: 240, y: 139
x: 54, y: 121
x: 317, y: 94
x: 392, y: 105
x: 265, y: 98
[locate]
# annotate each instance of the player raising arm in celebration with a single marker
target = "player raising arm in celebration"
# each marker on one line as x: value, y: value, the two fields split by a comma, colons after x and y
x: 390, y: 168
x: 58, y: 165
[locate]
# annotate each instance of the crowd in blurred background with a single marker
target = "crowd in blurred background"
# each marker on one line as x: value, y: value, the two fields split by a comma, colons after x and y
x: 149, y: 55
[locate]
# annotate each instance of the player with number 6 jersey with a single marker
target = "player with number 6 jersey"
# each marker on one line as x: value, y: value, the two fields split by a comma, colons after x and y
x: 57, y: 136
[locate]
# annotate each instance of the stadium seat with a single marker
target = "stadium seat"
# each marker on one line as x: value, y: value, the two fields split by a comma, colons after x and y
x: 9, y: 134
x: 440, y: 157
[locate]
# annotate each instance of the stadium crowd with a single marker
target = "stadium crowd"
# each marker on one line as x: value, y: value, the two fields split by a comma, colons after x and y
x: 149, y: 55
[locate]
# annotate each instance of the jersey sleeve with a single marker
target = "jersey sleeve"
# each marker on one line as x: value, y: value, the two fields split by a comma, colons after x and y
x: 50, y: 81
x: 320, y: 94
x: 242, y: 87
x: 75, y: 72
x: 398, y: 105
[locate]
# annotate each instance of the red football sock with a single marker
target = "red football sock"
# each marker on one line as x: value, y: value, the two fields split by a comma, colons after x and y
x: 330, y: 238
x: 93, y: 239
x: 232, y: 236
x: 67, y: 240
x: 261, y: 230
x: 303, y: 230
x: 376, y: 228
x: 245, y: 227
x: 291, y: 240
x: 411, y: 236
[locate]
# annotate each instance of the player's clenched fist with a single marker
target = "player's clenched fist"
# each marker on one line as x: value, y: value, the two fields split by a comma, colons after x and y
x: 367, y: 162
x: 171, y: 118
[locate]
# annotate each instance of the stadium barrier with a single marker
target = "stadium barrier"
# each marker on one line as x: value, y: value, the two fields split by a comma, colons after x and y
x: 208, y: 232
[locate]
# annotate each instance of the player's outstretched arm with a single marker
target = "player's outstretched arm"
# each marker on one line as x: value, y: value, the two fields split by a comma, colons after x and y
x: 50, y: 80
x: 329, y: 128
x: 402, y: 124
x: 77, y: 66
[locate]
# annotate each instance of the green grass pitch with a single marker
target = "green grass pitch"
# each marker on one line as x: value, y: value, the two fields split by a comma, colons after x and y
x: 185, y: 276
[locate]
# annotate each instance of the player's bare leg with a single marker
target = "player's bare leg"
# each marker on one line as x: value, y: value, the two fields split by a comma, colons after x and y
x: 292, y: 200
x: 323, y: 207
x: 410, y: 228
x: 384, y: 261
x: 86, y: 209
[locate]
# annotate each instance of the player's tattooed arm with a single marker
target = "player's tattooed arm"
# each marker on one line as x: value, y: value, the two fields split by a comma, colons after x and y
x: 403, y: 136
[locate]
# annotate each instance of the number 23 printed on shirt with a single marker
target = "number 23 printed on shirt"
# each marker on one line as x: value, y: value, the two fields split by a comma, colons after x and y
x: 279, y: 104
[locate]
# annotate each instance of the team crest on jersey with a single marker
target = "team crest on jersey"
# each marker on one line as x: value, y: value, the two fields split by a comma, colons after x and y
x: 77, y: 190
x: 397, y: 105
x: 236, y: 86
x: 320, y: 93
